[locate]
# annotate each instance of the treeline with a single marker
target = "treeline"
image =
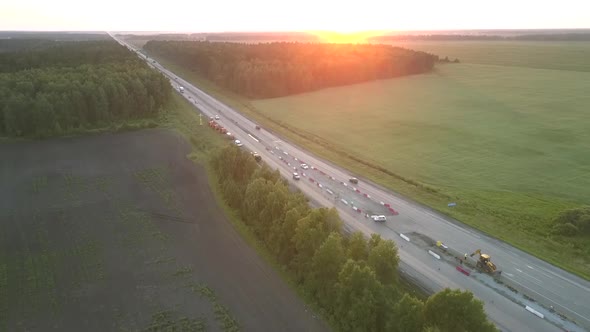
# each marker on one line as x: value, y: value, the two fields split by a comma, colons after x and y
x: 55, y: 35
x: 354, y: 280
x: 75, y: 86
x: 280, y: 69
x: 66, y: 54
x: 572, y: 36
x: 13, y: 45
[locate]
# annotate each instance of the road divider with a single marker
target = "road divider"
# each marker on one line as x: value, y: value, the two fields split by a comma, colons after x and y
x: 534, y: 312
x: 404, y: 237
x: 432, y: 253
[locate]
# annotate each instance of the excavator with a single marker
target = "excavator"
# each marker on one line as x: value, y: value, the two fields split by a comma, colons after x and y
x: 484, y: 263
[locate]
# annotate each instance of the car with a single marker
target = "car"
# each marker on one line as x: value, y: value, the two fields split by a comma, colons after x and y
x: 304, y: 166
x: 238, y: 143
x: 378, y: 218
x: 217, y: 117
x: 285, y: 153
x: 296, y: 176
x: 353, y: 180
x: 257, y: 127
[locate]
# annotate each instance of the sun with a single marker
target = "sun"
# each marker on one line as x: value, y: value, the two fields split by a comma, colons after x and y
x: 343, y: 36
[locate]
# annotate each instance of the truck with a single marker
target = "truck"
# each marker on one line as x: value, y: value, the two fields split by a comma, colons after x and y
x: 181, y: 89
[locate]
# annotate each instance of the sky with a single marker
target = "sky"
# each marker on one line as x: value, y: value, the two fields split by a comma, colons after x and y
x: 293, y: 15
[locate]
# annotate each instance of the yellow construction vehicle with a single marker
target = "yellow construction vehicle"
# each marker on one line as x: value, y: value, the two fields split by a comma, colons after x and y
x: 484, y: 263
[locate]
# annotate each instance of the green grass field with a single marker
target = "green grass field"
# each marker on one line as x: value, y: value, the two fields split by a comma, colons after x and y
x: 504, y: 139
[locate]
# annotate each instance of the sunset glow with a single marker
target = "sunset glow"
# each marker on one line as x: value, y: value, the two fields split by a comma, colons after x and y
x: 345, y: 18
x: 346, y: 37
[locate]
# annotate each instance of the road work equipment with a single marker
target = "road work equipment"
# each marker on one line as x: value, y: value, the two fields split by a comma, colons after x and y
x: 485, y: 264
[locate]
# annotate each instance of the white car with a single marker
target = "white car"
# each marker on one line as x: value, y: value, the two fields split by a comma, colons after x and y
x: 238, y: 143
x: 217, y: 117
x: 304, y: 166
x: 378, y: 218
x: 296, y: 176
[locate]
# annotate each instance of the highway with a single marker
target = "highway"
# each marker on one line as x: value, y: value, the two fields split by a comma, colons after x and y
x: 546, y: 289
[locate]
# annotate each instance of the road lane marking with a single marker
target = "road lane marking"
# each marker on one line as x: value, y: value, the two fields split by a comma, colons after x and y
x: 530, y: 267
x: 519, y: 270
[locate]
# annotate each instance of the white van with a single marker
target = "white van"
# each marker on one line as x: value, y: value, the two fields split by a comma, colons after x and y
x: 378, y: 218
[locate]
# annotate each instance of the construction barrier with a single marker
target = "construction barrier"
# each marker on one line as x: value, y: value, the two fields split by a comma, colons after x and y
x: 254, y: 138
x: 462, y: 270
x: 404, y: 237
x: 358, y: 191
x: 359, y: 210
x: 387, y: 205
x: 381, y: 203
x: 310, y: 179
x: 534, y: 312
x: 432, y: 253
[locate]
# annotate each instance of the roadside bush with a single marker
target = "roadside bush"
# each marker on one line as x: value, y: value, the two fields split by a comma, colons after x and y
x: 573, y: 222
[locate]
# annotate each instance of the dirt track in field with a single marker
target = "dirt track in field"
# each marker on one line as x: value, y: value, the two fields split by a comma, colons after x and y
x: 122, y: 232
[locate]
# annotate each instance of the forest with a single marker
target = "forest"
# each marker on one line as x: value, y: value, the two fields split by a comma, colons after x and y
x: 353, y: 280
x: 72, y: 86
x: 269, y: 70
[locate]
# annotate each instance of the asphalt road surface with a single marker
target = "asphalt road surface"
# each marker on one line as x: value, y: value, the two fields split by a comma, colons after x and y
x: 551, y: 292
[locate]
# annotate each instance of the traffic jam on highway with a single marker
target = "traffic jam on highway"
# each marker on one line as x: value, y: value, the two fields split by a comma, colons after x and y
x: 347, y: 194
x: 362, y: 204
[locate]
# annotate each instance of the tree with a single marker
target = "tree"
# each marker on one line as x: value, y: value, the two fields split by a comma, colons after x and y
x: 255, y: 200
x: 358, y: 299
x: 408, y: 315
x: 326, y: 265
x: 456, y: 310
x: 357, y: 247
x: 384, y: 260
x: 283, y: 244
x: 309, y: 236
